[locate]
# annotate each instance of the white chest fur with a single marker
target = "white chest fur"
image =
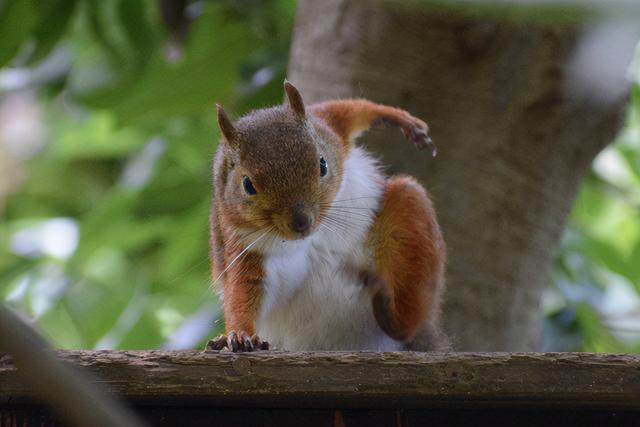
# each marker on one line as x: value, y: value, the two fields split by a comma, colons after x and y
x: 312, y: 298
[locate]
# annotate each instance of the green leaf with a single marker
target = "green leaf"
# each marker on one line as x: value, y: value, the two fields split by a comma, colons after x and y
x: 100, y: 25
x: 216, y: 49
x: 46, y: 193
x: 57, y: 320
x: 187, y: 243
x: 596, y: 337
x: 267, y: 95
x: 189, y: 141
x: 608, y: 256
x: 110, y: 224
x: 632, y: 160
x: 97, y: 138
x: 146, y: 332
x: 98, y: 304
x: 54, y: 18
x: 635, y: 98
x: 132, y: 14
x: 17, y: 18
x: 591, y: 203
x: 172, y: 192
x: 634, y: 262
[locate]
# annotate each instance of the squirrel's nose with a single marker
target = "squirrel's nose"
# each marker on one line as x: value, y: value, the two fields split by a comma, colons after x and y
x: 300, y: 221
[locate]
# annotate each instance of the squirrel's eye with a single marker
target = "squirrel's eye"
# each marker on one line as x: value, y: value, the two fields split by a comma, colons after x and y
x: 323, y: 166
x: 248, y: 186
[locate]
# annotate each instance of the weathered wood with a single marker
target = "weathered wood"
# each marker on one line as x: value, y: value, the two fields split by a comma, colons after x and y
x: 353, y: 380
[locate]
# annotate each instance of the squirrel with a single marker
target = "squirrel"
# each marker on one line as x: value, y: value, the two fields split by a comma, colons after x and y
x: 315, y: 247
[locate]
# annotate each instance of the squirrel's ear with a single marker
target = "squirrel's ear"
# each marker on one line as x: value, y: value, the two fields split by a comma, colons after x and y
x: 295, y: 100
x: 226, y: 127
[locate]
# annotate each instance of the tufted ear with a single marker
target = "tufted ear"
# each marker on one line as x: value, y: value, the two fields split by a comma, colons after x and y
x: 226, y: 127
x: 296, y: 105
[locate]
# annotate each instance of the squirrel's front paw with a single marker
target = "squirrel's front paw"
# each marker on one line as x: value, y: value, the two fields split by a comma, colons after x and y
x: 417, y: 131
x: 237, y: 341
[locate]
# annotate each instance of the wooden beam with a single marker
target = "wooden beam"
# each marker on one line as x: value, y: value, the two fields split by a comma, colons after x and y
x: 353, y: 380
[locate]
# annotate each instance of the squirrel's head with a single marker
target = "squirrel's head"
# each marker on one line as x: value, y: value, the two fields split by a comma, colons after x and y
x: 283, y: 169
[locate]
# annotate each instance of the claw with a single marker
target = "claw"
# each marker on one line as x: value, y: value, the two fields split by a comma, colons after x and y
x: 217, y: 343
x: 420, y: 137
x: 255, y: 341
x: 432, y: 147
x: 232, y: 341
x: 246, y: 341
x: 258, y: 344
x: 235, y: 342
x: 424, y: 141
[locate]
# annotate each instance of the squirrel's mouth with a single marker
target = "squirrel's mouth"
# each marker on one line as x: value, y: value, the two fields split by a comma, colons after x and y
x: 289, y: 234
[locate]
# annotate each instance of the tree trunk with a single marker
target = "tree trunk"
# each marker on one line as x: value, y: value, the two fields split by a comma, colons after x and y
x: 514, y: 141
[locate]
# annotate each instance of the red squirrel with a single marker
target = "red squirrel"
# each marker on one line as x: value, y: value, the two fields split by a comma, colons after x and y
x: 315, y: 247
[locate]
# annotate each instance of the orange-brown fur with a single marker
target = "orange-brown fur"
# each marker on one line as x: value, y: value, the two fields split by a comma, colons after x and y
x: 242, y: 291
x: 349, y: 117
x: 408, y: 251
x: 409, y: 258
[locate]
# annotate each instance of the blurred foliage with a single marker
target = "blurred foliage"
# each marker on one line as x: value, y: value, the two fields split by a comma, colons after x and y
x: 106, y: 243
x: 594, y: 304
x: 129, y: 103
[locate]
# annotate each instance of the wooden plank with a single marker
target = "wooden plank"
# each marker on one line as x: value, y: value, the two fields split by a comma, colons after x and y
x: 353, y: 380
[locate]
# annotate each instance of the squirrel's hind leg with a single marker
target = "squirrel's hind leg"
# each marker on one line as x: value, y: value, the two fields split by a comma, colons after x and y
x: 407, y: 277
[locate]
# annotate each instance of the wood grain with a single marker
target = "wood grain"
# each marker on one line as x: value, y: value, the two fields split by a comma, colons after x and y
x: 353, y: 380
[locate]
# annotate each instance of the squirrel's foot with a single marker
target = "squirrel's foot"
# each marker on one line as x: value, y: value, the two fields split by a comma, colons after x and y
x: 381, y: 303
x: 417, y: 131
x: 237, y: 342
x: 414, y: 129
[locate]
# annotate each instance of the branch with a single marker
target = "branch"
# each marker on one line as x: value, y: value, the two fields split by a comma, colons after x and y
x: 37, y: 370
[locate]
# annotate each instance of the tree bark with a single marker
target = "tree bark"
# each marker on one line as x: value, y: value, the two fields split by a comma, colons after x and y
x: 514, y: 142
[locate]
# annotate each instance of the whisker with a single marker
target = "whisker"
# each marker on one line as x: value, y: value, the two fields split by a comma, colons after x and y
x: 348, y: 225
x: 237, y: 257
x: 347, y: 244
x: 342, y: 225
x: 249, y: 234
x: 253, y: 221
x: 370, y: 208
x: 356, y: 198
x: 189, y: 270
x: 345, y: 211
x: 361, y: 219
